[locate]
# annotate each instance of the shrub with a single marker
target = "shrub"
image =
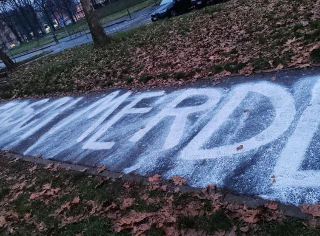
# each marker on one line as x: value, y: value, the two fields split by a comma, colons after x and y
x: 315, y: 55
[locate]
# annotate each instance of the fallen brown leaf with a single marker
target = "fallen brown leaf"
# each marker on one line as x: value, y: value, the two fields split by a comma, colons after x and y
x: 178, y: 180
x: 154, y: 178
x: 129, y: 184
x: 127, y: 202
x: 2, y: 221
x: 76, y: 200
x: 240, y: 147
x: 101, y: 168
x: 313, y: 210
x: 272, y: 205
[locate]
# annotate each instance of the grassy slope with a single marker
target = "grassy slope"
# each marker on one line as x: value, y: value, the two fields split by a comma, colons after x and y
x: 237, y: 36
x: 38, y: 200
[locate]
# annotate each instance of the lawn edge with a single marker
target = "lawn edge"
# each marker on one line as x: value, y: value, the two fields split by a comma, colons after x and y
x: 253, y: 202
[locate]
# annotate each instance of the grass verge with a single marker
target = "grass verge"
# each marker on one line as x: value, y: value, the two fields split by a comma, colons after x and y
x: 47, y: 200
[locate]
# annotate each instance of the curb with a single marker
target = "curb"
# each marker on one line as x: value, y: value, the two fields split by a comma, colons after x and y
x: 250, y: 201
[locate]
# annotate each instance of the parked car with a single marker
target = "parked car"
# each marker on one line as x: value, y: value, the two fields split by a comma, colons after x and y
x: 202, y: 3
x: 169, y: 8
x: 199, y: 3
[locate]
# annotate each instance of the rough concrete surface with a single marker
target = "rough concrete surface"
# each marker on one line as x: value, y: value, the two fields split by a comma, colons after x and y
x: 252, y: 135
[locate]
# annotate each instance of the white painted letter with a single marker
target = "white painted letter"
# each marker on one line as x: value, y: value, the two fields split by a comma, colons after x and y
x: 129, y: 109
x: 287, y: 171
x: 181, y: 114
x: 285, y: 110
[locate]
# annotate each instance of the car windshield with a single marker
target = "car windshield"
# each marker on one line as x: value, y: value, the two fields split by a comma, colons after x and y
x: 165, y: 2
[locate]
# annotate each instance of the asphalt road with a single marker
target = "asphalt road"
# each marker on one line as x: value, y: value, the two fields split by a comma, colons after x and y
x: 124, y: 23
x: 253, y: 135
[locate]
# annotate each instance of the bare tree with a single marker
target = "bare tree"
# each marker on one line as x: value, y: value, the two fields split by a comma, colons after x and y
x: 68, y: 7
x: 42, y: 5
x: 6, y: 18
x: 33, y: 14
x: 98, y: 35
x: 21, y: 9
x: 7, y: 60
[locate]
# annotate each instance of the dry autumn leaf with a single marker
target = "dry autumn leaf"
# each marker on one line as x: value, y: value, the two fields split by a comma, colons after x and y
x: 129, y: 184
x: 52, y: 166
x: 280, y: 66
x: 100, y: 169
x: 32, y: 169
x: 251, y: 216
x: 164, y: 188
x: 240, y: 147
x: 245, y: 228
x: 127, y: 202
x: 178, y: 180
x: 154, y: 178
x: 313, y: 210
x: 76, y: 200
x: 2, y: 221
x: 271, y: 205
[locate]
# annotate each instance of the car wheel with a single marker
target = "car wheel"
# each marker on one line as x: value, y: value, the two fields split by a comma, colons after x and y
x: 173, y: 13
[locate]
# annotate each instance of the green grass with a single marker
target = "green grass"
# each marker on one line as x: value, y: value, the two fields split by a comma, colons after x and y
x: 4, y: 190
x: 35, y: 57
x: 28, y: 46
x: 179, y: 75
x: 231, y: 66
x: 145, y: 78
x: 92, y: 226
x: 141, y: 206
x: 212, y: 9
x: 155, y: 232
x: 289, y: 227
x: 208, y: 223
x: 104, y: 192
x: 315, y: 55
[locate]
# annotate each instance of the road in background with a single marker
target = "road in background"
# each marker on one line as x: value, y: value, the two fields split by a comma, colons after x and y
x: 124, y: 23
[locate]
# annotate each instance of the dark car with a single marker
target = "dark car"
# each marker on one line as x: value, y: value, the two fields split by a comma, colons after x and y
x: 199, y: 3
x: 202, y: 3
x: 168, y: 8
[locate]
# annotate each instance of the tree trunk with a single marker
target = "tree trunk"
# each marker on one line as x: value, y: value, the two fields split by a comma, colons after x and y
x: 55, y: 17
x: 49, y: 19
x: 7, y: 60
x: 36, y: 20
x: 69, y: 12
x: 15, y: 33
x: 26, y: 18
x: 22, y: 24
x: 98, y: 35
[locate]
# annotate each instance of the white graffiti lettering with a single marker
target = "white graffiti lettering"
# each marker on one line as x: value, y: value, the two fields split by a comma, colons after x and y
x: 181, y: 114
x: 93, y: 144
x: 287, y: 171
x: 285, y: 111
x: 201, y: 133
